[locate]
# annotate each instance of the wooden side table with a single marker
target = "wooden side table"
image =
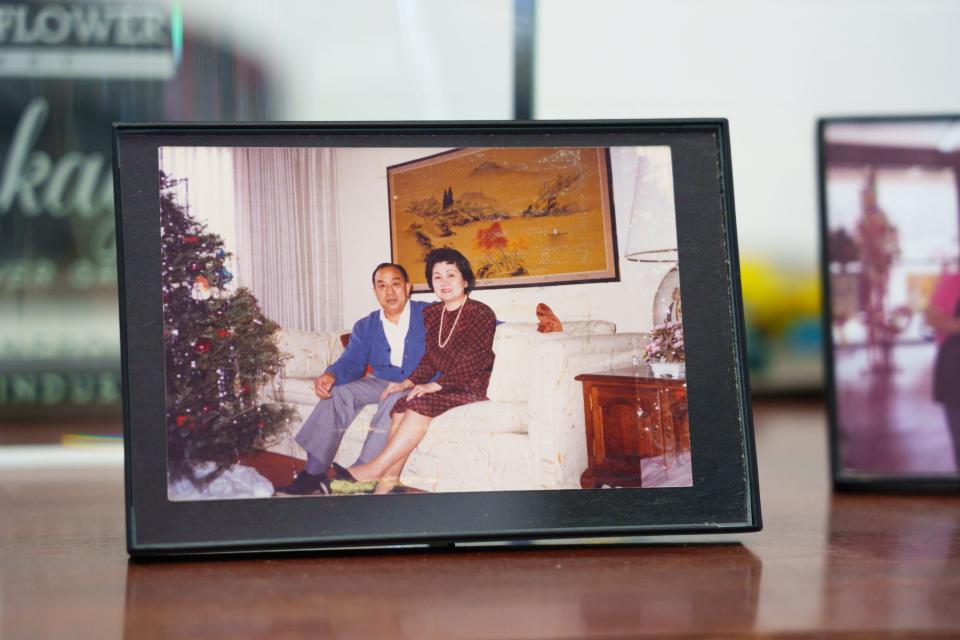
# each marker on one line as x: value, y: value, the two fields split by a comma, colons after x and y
x: 631, y: 414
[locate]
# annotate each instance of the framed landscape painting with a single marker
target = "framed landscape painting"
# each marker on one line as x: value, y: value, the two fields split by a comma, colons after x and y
x: 523, y: 216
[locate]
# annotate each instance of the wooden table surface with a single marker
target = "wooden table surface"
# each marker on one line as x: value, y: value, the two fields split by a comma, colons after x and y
x: 846, y: 565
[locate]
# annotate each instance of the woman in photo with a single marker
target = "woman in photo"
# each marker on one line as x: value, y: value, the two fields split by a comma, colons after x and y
x: 455, y: 369
x: 943, y: 315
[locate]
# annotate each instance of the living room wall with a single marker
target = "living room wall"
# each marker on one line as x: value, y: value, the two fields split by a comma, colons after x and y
x: 365, y: 241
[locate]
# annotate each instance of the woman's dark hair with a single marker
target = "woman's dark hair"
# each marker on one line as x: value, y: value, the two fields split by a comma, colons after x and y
x: 382, y: 265
x: 446, y: 254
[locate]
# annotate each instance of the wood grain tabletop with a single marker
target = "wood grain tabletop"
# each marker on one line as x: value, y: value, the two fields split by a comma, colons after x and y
x: 844, y: 565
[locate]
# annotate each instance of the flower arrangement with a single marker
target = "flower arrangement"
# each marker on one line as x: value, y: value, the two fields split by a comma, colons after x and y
x: 666, y: 343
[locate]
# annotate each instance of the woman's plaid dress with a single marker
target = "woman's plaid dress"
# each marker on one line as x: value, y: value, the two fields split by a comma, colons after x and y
x: 464, y: 362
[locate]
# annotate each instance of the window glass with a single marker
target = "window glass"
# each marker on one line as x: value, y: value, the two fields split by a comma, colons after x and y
x: 68, y: 70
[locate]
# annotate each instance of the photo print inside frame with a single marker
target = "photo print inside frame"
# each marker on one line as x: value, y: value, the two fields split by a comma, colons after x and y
x: 269, y: 284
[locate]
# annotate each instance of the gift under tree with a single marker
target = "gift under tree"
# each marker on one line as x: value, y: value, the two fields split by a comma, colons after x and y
x: 219, y: 351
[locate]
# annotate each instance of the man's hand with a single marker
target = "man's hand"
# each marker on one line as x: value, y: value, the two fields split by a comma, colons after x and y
x: 323, y: 385
x: 423, y: 389
x: 395, y: 386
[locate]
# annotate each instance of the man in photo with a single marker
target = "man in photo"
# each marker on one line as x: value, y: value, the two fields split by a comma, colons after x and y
x: 391, y: 342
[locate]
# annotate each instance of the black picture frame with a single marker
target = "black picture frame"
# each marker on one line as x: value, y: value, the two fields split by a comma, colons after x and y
x: 843, y: 479
x: 724, y: 497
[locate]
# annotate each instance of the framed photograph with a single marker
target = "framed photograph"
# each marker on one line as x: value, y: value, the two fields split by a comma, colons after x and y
x: 421, y: 333
x: 521, y: 215
x: 890, y: 237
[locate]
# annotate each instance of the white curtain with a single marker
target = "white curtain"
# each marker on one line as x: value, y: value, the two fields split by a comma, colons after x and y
x: 288, y: 249
x: 205, y: 187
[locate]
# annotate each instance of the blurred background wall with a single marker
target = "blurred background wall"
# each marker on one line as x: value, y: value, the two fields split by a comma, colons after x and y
x: 69, y: 69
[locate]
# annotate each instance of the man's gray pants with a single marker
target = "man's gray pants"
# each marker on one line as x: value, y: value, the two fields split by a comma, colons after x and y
x: 322, y: 432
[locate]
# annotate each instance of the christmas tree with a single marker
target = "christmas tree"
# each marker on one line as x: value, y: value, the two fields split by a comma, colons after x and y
x: 219, y: 352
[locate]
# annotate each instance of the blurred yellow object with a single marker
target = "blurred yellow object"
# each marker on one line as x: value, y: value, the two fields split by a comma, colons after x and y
x: 84, y: 441
x: 920, y: 288
x: 807, y: 295
x: 774, y: 298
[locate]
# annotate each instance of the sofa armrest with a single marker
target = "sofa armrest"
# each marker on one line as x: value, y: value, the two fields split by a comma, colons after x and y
x: 556, y: 421
x: 307, y: 355
x: 311, y: 352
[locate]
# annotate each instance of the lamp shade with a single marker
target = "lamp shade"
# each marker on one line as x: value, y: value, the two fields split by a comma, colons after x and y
x: 652, y: 236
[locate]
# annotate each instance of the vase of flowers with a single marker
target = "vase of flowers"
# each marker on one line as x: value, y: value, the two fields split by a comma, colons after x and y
x: 664, y: 353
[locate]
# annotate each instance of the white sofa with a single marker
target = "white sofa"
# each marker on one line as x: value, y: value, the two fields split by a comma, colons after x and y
x: 529, y: 435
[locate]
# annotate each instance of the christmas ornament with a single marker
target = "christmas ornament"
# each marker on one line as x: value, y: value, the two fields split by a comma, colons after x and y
x: 223, y: 333
x: 191, y: 240
x: 194, y: 267
x: 203, y: 345
x: 186, y: 422
x: 200, y: 289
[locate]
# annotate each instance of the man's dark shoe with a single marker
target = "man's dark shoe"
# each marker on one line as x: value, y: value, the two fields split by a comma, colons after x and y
x: 306, y: 484
x: 342, y: 473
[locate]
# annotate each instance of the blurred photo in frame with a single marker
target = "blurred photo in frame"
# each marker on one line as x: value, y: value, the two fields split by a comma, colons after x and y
x: 891, y: 235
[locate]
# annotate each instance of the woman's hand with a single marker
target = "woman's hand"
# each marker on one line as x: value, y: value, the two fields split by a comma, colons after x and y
x: 396, y: 386
x: 423, y: 389
x: 942, y: 322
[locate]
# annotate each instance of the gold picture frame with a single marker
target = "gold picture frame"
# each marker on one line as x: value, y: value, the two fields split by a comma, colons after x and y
x: 523, y: 216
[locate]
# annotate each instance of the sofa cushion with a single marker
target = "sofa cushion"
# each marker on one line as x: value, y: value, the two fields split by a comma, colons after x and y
x: 514, y: 344
x: 484, y: 417
x: 570, y: 328
x: 300, y: 391
x: 312, y: 352
x: 588, y: 328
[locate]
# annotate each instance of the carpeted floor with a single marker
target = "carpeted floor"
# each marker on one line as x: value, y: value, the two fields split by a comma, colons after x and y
x: 276, y: 468
x: 664, y: 471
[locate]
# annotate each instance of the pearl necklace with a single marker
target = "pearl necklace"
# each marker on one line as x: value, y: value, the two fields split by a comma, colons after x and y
x: 443, y: 310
